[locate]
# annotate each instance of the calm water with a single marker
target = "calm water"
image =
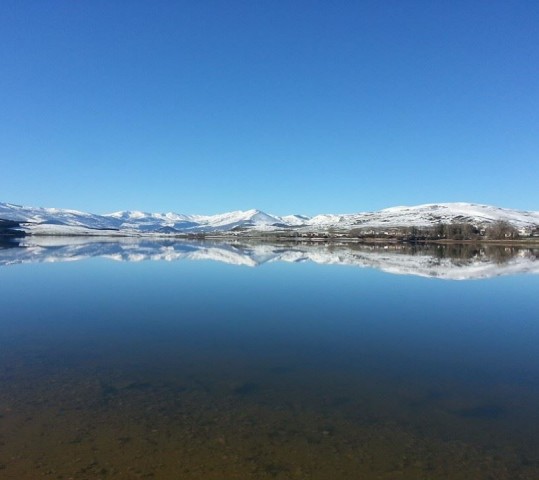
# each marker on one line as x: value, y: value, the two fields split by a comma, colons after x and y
x: 209, y: 370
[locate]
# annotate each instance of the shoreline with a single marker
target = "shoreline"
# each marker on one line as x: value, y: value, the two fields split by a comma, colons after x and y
x: 276, y: 238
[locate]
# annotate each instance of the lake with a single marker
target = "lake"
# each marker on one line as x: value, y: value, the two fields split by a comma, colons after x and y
x: 140, y: 359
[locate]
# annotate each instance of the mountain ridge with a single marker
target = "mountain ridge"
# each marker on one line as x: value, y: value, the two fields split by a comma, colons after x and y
x: 55, y: 221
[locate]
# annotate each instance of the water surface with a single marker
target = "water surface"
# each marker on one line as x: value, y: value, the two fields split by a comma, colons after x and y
x: 294, y: 369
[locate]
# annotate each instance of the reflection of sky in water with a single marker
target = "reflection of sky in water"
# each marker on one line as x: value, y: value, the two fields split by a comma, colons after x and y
x: 491, y: 325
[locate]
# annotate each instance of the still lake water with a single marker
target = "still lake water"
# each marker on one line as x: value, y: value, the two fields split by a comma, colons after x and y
x: 294, y: 369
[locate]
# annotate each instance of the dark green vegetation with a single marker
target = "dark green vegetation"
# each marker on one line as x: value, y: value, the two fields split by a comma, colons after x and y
x: 9, y: 228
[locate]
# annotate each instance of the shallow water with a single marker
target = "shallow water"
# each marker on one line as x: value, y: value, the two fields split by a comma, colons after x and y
x: 206, y: 370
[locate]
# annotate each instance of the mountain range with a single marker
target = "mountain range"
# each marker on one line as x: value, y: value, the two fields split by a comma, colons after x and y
x: 55, y: 221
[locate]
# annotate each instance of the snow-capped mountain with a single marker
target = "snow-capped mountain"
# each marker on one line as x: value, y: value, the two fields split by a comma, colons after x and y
x: 474, y: 263
x: 54, y: 221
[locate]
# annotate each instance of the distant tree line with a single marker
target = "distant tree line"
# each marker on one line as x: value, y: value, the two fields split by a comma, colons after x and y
x: 500, y: 230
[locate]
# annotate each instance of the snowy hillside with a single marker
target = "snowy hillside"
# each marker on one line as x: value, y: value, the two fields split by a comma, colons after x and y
x: 53, y: 221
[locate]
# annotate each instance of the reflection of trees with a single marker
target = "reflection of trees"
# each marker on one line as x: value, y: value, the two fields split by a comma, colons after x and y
x: 459, y: 253
x: 502, y: 255
x: 494, y: 253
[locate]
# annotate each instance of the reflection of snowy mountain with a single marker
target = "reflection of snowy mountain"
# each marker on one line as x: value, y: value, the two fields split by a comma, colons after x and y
x: 53, y: 221
x: 456, y: 263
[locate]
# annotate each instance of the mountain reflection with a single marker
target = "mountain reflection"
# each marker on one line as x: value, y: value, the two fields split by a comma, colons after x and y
x: 453, y: 262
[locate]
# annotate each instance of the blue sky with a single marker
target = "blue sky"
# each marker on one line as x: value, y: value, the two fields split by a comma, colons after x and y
x: 287, y: 106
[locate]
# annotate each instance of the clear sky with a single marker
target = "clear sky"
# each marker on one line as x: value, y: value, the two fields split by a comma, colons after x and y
x: 289, y: 106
